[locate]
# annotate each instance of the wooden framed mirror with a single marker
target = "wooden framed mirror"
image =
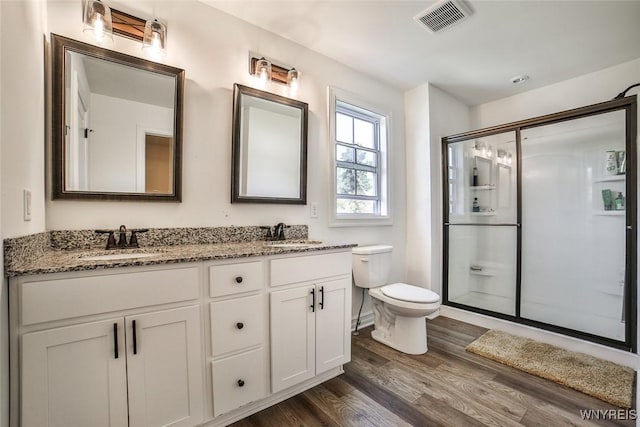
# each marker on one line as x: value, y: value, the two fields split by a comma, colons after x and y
x: 269, y: 148
x: 116, y: 125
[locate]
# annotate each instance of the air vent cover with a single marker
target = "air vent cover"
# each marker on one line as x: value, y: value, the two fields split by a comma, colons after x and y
x: 442, y: 15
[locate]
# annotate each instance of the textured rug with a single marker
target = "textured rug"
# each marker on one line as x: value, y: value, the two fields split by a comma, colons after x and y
x: 599, y: 378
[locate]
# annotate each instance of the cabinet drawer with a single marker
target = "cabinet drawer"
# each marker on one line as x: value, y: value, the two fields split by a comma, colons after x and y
x: 235, y: 278
x: 305, y: 268
x: 238, y: 380
x: 237, y: 324
x: 48, y: 300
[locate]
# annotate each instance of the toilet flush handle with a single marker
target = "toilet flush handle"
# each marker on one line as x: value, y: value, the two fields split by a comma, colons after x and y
x: 364, y: 259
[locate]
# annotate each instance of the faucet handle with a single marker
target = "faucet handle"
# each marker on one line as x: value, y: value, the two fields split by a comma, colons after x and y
x: 133, y: 240
x: 111, y: 240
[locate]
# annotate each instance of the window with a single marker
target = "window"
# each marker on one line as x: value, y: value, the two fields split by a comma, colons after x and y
x: 360, y: 172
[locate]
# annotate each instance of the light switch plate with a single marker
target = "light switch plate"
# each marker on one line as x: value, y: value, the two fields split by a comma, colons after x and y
x: 26, y: 198
x: 314, y: 209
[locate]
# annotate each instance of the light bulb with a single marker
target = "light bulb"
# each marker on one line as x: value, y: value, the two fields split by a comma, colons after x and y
x: 156, y: 45
x: 293, y: 80
x: 264, y: 74
x: 98, y: 27
x: 154, y: 38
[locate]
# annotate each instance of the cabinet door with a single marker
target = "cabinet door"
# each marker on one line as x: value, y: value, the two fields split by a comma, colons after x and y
x: 333, y: 324
x: 71, y: 376
x: 292, y: 337
x: 164, y: 363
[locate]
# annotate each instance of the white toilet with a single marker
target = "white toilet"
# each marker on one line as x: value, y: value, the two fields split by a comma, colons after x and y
x: 399, y: 310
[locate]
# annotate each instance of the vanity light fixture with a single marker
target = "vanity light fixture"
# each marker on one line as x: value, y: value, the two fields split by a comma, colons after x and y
x: 267, y: 71
x: 262, y: 70
x: 293, y: 80
x: 97, y: 19
x: 105, y: 21
x: 155, y: 37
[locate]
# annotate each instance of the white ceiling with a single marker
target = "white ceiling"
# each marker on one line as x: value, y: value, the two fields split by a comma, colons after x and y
x: 549, y: 40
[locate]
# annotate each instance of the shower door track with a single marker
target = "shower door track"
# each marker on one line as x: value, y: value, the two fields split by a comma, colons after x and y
x: 627, y: 104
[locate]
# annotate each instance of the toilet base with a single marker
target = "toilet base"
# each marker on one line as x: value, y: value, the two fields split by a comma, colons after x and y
x: 407, y: 334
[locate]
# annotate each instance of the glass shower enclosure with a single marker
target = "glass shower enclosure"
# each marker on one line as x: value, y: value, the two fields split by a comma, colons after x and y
x: 540, y: 222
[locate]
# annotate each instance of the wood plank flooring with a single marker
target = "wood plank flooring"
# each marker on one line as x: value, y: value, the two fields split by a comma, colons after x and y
x: 447, y: 386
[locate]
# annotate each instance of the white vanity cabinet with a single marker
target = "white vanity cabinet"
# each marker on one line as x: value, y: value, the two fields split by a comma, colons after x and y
x: 310, y: 318
x: 193, y: 344
x: 95, y: 349
x: 239, y: 328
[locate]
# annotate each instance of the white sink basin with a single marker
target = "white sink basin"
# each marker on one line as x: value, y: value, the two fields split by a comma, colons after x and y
x: 115, y: 257
x: 292, y: 245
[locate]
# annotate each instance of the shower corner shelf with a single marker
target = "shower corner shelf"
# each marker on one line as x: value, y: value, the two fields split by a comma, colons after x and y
x: 484, y: 273
x: 610, y: 213
x: 482, y: 187
x: 610, y: 178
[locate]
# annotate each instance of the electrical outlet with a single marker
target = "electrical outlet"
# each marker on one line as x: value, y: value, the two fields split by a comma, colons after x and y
x: 314, y: 210
x: 26, y: 210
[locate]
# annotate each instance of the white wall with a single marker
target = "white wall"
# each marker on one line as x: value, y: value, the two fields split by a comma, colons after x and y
x: 213, y: 48
x: 431, y: 114
x: 22, y: 115
x: 419, y: 175
x: 22, y: 142
x: 448, y: 116
x: 200, y: 41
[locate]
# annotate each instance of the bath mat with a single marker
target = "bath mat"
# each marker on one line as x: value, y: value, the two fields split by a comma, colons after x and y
x: 599, y: 378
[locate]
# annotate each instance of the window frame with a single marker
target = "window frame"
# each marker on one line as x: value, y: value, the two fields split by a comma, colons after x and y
x: 342, y: 101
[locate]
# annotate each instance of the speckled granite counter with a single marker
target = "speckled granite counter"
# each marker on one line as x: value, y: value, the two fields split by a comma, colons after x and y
x: 49, y: 253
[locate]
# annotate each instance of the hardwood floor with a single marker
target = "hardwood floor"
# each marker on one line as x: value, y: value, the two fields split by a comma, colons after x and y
x: 447, y: 386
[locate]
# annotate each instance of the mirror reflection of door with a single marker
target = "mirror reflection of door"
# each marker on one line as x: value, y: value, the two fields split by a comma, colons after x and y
x: 158, y: 164
x: 77, y: 130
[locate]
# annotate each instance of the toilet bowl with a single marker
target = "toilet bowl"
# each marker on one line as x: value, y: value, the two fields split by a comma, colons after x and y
x: 399, y: 309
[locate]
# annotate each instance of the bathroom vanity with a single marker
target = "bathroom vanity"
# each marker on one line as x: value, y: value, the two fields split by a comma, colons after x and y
x: 182, y: 336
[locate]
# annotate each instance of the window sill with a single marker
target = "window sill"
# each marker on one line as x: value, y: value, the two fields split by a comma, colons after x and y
x: 361, y: 221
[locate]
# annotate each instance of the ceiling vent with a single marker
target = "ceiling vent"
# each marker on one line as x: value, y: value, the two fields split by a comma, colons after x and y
x: 442, y: 15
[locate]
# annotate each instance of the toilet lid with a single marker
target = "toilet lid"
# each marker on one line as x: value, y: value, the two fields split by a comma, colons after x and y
x: 409, y: 293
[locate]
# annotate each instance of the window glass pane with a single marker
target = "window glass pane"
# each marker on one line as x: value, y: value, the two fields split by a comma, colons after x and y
x: 366, y: 183
x: 345, y: 154
x: 346, y: 181
x: 366, y: 158
x: 344, y: 128
x: 348, y: 206
x: 363, y: 133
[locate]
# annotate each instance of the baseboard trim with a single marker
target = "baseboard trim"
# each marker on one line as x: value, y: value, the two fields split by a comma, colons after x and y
x: 366, y: 319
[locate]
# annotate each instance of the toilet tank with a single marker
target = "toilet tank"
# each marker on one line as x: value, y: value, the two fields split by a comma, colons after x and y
x: 371, y: 265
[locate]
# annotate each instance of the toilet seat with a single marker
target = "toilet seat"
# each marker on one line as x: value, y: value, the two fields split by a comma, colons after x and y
x: 409, y: 293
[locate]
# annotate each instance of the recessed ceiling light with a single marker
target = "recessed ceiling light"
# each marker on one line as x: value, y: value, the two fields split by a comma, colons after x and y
x: 519, y: 79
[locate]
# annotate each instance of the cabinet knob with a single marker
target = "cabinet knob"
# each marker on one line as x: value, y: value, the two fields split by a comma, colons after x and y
x: 239, y: 325
x: 239, y: 279
x: 240, y: 383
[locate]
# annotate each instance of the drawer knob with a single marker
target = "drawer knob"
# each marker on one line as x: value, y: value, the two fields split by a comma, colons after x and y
x: 239, y: 279
x: 239, y: 325
x: 240, y: 383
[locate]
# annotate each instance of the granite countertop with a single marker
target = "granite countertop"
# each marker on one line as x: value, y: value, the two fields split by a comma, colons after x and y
x: 53, y: 260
